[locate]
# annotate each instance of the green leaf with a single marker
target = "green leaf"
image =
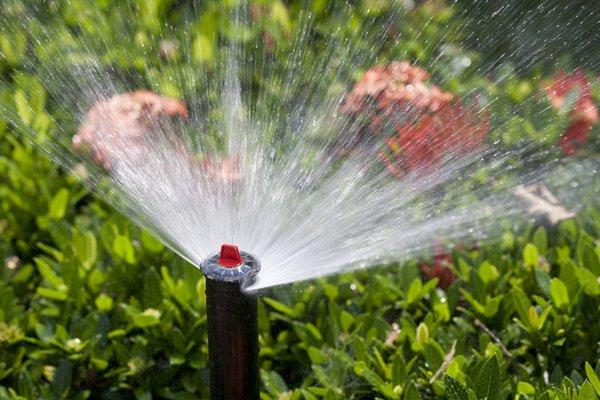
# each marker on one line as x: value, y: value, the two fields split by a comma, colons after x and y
x: 586, y: 254
x: 454, y: 389
x: 346, y: 320
x: 61, y: 380
x: 492, y: 305
x: 433, y: 354
x: 559, y: 293
x: 314, y: 331
x: 117, y: 333
x: 104, y: 303
x: 280, y: 15
x: 273, y: 383
x: 545, y: 396
x: 150, y: 243
x: 592, y: 377
x: 540, y: 239
x: 587, y: 392
x: 589, y: 282
x: 37, y: 96
x: 362, y: 370
x: 282, y: 308
x: 58, y: 204
x: 521, y: 303
x: 488, y: 382
x: 543, y: 280
x: 48, y: 274
x: 480, y: 308
x: 177, y: 359
x: 543, y: 316
x: 422, y: 333
x: 22, y: 106
x: 525, y: 388
x: 568, y: 276
x: 58, y: 255
x: 124, y: 249
x: 317, y: 356
x: 85, y: 248
x: 203, y: 49
x: 13, y: 47
x: 52, y: 294
x: 533, y: 318
x: 414, y: 291
x: 530, y: 256
x: 398, y: 369
x: 149, y: 317
x: 96, y: 279
x: 145, y: 319
x: 487, y: 272
x: 99, y: 363
x: 412, y: 393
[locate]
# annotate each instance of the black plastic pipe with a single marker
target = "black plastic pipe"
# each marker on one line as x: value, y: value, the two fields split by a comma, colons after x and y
x: 232, y: 342
x: 232, y: 325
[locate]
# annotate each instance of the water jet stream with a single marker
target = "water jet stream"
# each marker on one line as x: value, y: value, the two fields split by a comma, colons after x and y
x: 264, y: 148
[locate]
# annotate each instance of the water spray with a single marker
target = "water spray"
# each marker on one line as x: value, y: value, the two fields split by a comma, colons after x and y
x: 232, y: 325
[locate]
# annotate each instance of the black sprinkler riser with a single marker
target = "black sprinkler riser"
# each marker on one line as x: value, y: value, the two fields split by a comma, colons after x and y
x: 232, y: 326
x: 232, y: 342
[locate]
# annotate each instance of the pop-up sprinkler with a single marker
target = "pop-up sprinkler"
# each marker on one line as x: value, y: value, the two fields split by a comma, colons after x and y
x: 232, y: 325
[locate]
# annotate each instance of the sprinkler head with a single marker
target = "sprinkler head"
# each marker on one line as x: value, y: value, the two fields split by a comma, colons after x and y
x: 231, y: 265
x: 232, y: 322
x: 230, y: 256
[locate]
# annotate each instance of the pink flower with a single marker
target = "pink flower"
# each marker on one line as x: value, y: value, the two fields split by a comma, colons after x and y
x: 225, y: 169
x: 124, y: 122
x: 396, y: 86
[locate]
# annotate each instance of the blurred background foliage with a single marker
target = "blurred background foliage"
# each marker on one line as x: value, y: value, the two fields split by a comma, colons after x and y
x: 93, y: 307
x: 533, y: 41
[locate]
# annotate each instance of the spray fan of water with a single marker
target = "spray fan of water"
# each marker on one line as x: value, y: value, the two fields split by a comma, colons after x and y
x: 270, y: 148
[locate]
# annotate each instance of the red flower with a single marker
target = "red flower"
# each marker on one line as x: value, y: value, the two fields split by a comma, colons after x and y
x: 429, y: 126
x: 575, y: 135
x: 583, y: 112
x: 439, y: 269
x: 564, y: 85
x: 455, y: 130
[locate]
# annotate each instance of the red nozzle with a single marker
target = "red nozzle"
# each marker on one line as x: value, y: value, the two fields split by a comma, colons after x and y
x: 230, y: 256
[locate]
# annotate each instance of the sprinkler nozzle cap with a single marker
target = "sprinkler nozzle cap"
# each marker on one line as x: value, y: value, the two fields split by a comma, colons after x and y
x: 230, y: 256
x: 231, y: 265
